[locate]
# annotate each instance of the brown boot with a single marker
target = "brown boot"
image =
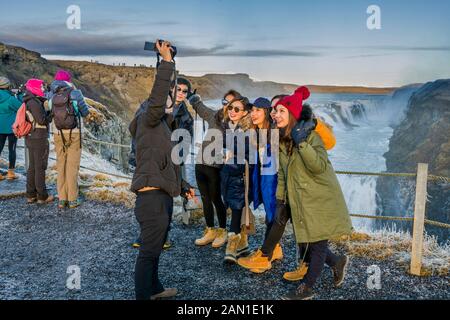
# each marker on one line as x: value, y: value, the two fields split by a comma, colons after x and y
x: 1, y: 177
x: 242, y: 248
x: 208, y: 236
x: 11, y: 175
x: 231, y: 251
x: 277, y: 253
x: 298, y: 274
x: 221, y: 238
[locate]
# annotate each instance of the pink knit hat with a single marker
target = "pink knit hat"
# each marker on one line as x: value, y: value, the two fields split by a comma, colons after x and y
x: 35, y: 87
x: 63, y: 75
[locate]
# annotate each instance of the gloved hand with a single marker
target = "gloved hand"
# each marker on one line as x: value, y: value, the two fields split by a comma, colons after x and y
x: 302, y: 130
x: 195, y: 98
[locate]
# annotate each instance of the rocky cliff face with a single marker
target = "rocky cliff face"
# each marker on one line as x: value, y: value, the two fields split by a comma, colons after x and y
x: 423, y: 136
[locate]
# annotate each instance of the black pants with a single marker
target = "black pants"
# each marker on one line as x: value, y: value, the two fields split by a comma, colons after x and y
x: 208, y: 182
x: 153, y: 210
x: 275, y: 231
x: 12, y: 143
x: 320, y: 255
x: 236, y: 218
x: 38, y: 150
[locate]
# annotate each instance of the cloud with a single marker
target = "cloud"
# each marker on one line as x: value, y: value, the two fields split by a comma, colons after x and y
x: 81, y: 43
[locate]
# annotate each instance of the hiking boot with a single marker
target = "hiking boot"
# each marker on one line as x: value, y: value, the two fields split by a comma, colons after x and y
x: 209, y: 235
x: 31, y: 200
x: 339, y: 271
x: 62, y: 204
x: 301, y: 293
x: 242, y: 248
x: 277, y: 253
x: 46, y: 201
x: 11, y: 175
x: 231, y: 251
x: 256, y: 263
x: 298, y: 274
x: 76, y: 203
x: 167, y: 293
x: 1, y: 177
x: 221, y: 238
x: 167, y: 245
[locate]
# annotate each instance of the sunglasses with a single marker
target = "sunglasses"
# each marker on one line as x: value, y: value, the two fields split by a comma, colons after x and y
x: 183, y: 91
x: 236, y: 109
x: 225, y: 102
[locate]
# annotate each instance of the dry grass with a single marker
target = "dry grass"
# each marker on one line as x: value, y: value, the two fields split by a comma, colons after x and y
x: 385, y: 244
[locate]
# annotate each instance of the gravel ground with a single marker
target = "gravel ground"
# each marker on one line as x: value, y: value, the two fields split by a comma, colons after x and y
x: 38, y: 244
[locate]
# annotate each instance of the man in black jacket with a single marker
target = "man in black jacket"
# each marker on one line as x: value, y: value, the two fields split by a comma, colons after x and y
x: 157, y: 180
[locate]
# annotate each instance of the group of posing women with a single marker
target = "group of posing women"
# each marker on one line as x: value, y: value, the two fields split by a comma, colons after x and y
x: 304, y: 189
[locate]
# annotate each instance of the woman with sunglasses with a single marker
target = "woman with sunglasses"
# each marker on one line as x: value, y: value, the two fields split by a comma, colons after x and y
x: 308, y: 184
x: 236, y: 122
x: 207, y: 171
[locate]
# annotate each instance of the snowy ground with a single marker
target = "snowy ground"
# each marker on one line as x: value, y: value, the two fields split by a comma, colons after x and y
x: 38, y: 244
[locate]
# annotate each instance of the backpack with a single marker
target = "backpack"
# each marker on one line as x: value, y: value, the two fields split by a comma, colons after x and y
x: 65, y: 116
x: 65, y: 112
x: 22, y: 126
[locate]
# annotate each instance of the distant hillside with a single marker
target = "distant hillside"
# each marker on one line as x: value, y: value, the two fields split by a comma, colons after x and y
x: 123, y: 88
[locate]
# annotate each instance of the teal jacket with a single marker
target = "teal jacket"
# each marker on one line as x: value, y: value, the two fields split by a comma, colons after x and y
x: 9, y: 105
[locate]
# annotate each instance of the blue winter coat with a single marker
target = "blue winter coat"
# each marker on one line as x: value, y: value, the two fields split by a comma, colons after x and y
x: 75, y: 96
x: 9, y: 105
x: 264, y: 182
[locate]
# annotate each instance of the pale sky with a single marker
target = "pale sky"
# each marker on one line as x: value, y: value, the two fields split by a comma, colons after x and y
x: 323, y: 42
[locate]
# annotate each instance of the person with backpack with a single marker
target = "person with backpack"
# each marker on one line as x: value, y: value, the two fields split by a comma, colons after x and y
x: 9, y: 105
x: 36, y: 140
x: 156, y: 179
x: 67, y: 106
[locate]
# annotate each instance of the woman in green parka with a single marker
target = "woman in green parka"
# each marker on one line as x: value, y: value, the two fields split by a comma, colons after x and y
x: 308, y: 185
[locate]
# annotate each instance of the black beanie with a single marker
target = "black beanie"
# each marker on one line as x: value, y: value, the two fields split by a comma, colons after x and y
x: 186, y: 82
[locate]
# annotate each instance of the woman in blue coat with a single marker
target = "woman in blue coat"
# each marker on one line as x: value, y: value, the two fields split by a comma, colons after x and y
x: 264, y: 173
x: 9, y: 105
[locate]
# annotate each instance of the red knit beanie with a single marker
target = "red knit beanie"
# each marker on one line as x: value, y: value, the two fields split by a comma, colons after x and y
x: 294, y: 103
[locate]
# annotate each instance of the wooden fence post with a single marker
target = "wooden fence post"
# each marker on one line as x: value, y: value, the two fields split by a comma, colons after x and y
x: 419, y: 218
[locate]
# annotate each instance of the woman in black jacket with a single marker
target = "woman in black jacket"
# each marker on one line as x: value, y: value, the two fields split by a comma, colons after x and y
x: 37, y: 142
x: 207, y: 170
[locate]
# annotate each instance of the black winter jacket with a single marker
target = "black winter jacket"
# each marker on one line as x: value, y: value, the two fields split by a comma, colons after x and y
x: 35, y: 105
x: 151, y: 130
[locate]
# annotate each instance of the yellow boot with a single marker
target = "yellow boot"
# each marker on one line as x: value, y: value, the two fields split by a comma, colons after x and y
x: 11, y: 175
x: 221, y: 238
x: 231, y: 251
x: 277, y: 253
x: 1, y: 177
x: 242, y: 249
x: 208, y: 236
x: 297, y: 274
x: 257, y: 262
